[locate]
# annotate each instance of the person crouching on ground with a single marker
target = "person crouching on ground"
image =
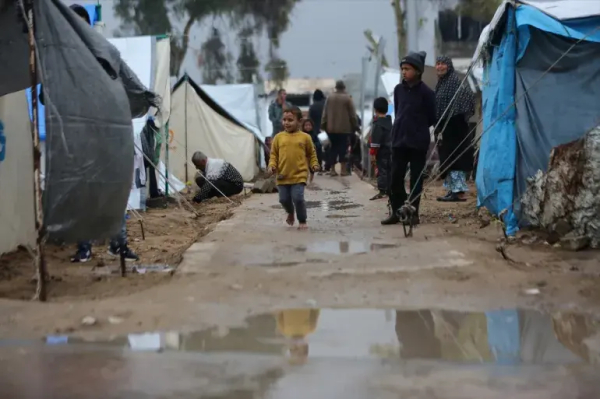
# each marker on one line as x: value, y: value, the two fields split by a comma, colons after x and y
x: 308, y: 127
x: 290, y: 154
x: 381, y: 143
x: 217, y: 178
x: 414, y: 105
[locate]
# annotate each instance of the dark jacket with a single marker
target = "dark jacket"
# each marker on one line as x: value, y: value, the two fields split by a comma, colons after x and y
x: 415, y: 113
x: 315, y: 112
x: 381, y: 134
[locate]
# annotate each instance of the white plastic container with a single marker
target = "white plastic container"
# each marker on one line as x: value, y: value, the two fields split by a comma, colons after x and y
x: 324, y: 139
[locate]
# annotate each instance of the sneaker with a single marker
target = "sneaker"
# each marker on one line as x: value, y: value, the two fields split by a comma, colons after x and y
x: 451, y: 197
x: 130, y: 256
x: 82, y: 257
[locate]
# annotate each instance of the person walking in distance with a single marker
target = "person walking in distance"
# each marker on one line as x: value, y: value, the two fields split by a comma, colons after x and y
x: 293, y: 157
x: 315, y: 113
x: 339, y: 121
x: 456, y: 152
x: 276, y: 111
x: 414, y: 105
x: 381, y: 143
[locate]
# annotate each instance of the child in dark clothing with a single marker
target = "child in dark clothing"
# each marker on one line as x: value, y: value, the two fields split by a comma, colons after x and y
x: 381, y: 143
x: 414, y: 105
x: 308, y: 127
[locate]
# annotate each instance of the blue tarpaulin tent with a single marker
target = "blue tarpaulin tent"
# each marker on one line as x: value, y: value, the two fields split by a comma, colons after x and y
x: 94, y: 11
x: 539, y: 91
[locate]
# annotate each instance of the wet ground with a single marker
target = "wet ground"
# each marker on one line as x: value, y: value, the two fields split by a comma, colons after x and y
x: 348, y: 309
x: 328, y: 353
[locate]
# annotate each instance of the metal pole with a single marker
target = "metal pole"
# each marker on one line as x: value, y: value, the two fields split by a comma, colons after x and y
x: 39, y: 261
x: 363, y: 73
x: 185, y: 117
x: 167, y: 135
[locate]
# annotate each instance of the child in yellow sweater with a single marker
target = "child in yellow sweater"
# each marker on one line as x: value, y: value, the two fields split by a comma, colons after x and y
x: 291, y: 151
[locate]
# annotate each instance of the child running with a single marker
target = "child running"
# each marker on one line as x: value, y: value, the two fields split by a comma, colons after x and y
x: 290, y: 154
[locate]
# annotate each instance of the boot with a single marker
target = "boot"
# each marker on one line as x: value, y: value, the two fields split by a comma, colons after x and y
x: 391, y: 220
x: 344, y: 169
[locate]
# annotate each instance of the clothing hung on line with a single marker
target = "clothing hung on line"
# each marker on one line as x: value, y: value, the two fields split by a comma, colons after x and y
x: 221, y: 178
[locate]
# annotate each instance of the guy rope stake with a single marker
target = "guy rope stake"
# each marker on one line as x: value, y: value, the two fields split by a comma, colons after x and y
x: 39, y: 261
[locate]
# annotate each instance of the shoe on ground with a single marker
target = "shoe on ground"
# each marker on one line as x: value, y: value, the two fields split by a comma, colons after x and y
x: 82, y: 257
x: 391, y: 220
x: 332, y: 173
x: 451, y: 197
x: 378, y: 196
x: 130, y: 256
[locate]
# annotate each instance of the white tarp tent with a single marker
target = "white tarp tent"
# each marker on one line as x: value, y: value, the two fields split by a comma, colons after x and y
x: 241, y: 101
x: 16, y: 175
x: 199, y: 123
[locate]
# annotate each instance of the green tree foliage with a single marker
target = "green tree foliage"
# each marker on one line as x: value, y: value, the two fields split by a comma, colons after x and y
x: 247, y: 63
x: 277, y: 71
x: 154, y: 17
x: 479, y: 10
x: 216, y: 60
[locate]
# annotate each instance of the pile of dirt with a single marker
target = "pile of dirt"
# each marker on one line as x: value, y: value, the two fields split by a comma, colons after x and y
x: 168, y: 233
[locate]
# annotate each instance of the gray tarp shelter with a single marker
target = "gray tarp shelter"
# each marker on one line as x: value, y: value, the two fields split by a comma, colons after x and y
x: 540, y: 90
x: 91, y: 96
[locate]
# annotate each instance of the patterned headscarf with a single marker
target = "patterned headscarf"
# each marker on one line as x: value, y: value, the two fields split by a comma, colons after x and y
x: 446, y: 87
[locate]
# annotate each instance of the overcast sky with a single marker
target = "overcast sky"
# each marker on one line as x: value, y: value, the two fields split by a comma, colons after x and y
x: 325, y: 38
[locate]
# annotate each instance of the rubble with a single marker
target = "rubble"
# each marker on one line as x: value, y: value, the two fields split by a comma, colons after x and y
x: 265, y: 186
x: 565, y: 201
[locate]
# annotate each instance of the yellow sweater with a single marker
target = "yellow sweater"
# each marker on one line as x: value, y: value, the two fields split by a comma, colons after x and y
x: 290, y: 153
x: 296, y: 323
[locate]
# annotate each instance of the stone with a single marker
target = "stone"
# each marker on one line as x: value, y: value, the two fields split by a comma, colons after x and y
x: 484, y: 216
x: 88, y: 321
x: 575, y: 243
x: 115, y: 320
x: 264, y: 186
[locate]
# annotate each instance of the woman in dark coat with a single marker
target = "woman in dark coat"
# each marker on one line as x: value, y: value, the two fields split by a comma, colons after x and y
x: 455, y: 150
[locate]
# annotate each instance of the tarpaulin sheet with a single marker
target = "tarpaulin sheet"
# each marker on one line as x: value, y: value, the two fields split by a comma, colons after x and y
x: 90, y: 97
x: 91, y: 9
x: 497, y: 154
x: 562, y: 107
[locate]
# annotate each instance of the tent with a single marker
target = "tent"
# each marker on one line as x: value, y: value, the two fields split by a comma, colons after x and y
x: 558, y: 45
x: 89, y: 165
x: 199, y: 123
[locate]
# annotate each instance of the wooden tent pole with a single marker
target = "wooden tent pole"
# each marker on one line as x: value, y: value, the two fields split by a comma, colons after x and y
x: 39, y: 261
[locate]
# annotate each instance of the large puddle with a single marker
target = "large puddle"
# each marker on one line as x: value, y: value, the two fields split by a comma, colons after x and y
x: 343, y: 247
x: 328, y: 205
x: 501, y: 336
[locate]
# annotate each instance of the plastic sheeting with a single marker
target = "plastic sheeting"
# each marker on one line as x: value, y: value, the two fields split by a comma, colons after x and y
x: 209, y: 129
x: 497, y: 154
x: 240, y: 101
x: 90, y: 96
x: 562, y: 107
x: 16, y: 175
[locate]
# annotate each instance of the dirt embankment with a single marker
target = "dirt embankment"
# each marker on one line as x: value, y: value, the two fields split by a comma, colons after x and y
x: 167, y: 234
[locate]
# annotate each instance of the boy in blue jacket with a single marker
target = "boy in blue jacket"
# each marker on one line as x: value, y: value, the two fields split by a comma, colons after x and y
x: 414, y: 106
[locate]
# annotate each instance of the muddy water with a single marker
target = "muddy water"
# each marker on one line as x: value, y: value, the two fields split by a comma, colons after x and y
x: 300, y: 353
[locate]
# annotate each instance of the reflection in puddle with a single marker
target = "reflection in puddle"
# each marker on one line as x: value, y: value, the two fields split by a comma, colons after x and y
x: 503, y: 336
x: 334, y: 205
x: 341, y: 216
x: 344, y: 247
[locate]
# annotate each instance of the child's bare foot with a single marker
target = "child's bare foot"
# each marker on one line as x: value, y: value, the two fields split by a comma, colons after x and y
x: 290, y: 219
x: 302, y: 226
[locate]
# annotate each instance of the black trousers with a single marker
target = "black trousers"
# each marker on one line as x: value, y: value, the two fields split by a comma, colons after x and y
x: 338, y: 148
x: 154, y: 193
x: 384, y: 166
x: 401, y: 158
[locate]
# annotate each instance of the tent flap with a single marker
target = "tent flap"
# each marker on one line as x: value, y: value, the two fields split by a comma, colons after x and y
x: 497, y: 155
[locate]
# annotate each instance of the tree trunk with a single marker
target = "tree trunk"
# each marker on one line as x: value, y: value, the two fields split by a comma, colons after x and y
x: 399, y: 14
x: 178, y: 53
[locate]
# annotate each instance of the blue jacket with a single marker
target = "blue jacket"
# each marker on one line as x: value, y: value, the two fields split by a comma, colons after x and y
x: 415, y: 112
